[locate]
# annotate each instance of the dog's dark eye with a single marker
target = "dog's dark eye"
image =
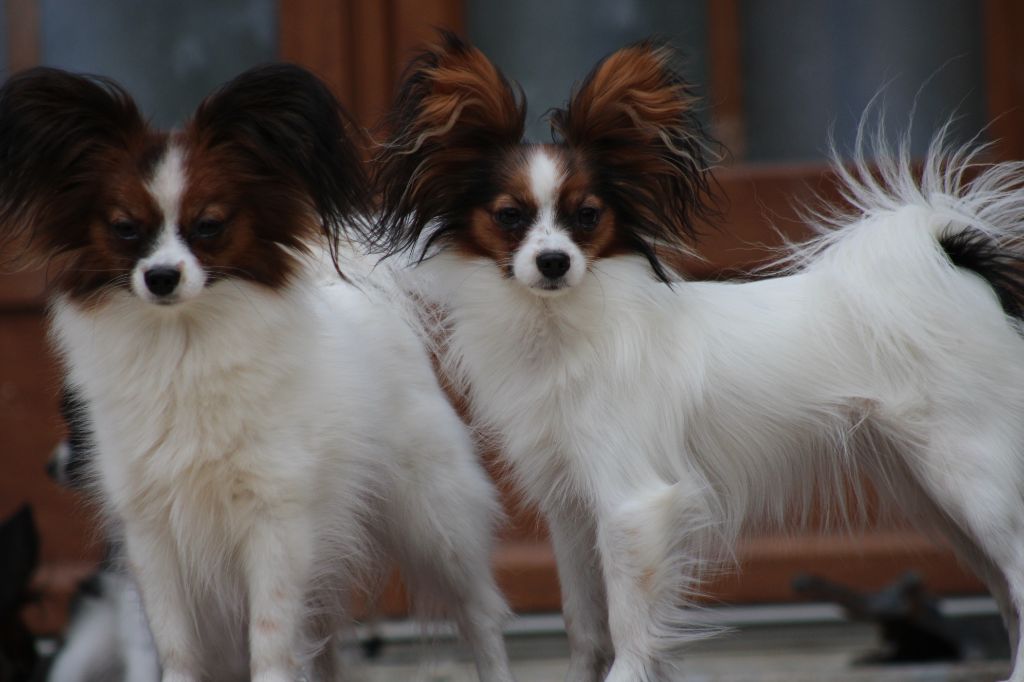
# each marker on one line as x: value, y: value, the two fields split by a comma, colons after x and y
x: 509, y: 217
x: 587, y: 217
x: 208, y: 228
x: 125, y: 229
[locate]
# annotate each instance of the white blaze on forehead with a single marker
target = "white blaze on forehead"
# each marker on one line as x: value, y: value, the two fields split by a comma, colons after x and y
x: 545, y: 179
x: 167, y: 186
x: 544, y: 235
x: 169, y: 250
x: 168, y: 183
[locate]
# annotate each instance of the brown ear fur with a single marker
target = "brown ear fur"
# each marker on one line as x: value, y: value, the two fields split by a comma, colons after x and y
x: 453, y: 114
x: 633, y: 120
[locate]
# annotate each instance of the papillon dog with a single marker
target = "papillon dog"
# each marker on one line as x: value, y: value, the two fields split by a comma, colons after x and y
x: 653, y: 419
x: 262, y: 425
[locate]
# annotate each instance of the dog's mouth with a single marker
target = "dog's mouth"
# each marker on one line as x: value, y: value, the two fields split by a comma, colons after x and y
x: 549, y: 287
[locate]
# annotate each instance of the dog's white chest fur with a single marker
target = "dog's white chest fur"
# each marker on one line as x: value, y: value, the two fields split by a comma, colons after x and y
x: 180, y: 404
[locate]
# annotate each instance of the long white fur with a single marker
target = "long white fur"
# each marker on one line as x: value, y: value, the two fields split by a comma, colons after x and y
x: 255, y: 447
x: 654, y: 424
x: 251, y: 444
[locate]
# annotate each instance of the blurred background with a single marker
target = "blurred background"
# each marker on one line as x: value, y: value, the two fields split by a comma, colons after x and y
x: 776, y: 76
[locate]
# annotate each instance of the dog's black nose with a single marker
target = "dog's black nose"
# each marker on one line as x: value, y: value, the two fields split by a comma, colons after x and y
x: 162, y: 281
x: 553, y: 264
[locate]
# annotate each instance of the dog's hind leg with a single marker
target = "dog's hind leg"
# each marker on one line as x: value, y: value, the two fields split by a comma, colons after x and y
x: 975, y: 482
x: 919, y: 505
x: 976, y: 559
x: 654, y: 545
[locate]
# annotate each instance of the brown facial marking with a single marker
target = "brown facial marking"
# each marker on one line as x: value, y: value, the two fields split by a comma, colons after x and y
x: 599, y: 240
x: 579, y: 191
x: 98, y: 251
x: 255, y: 215
x: 482, y: 233
x: 486, y: 234
x: 576, y: 193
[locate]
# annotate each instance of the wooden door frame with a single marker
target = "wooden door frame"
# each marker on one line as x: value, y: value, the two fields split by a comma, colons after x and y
x: 359, y: 47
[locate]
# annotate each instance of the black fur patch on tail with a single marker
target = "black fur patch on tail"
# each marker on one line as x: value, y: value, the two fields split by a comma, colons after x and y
x: 1003, y: 270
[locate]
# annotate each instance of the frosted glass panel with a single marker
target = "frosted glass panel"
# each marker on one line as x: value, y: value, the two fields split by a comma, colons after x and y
x: 547, y: 45
x: 808, y: 66
x: 168, y: 53
x: 812, y: 64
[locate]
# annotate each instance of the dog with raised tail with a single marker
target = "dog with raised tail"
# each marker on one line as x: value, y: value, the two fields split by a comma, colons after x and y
x: 263, y: 427
x: 653, y: 420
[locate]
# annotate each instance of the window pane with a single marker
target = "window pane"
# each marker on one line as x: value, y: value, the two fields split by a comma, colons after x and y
x: 547, y: 45
x: 812, y: 64
x: 167, y: 53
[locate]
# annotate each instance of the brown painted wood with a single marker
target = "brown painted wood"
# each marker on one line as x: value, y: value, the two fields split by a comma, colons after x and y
x: 1004, y: 65
x: 725, y: 45
x: 759, y: 204
x: 414, y: 23
x: 314, y: 33
x: 22, y: 34
x: 373, y: 60
x: 361, y: 47
x: 766, y: 568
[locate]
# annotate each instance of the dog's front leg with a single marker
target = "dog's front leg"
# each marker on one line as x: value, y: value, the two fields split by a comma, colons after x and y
x: 157, y: 572
x: 278, y: 560
x: 584, y: 605
x: 654, y: 543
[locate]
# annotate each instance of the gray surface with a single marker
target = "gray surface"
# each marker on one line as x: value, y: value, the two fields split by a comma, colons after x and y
x: 808, y: 65
x: 811, y: 64
x: 780, y: 653
x: 168, y: 53
x: 547, y: 45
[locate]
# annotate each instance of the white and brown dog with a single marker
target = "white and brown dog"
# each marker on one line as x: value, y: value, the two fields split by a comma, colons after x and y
x: 654, y: 420
x: 262, y: 426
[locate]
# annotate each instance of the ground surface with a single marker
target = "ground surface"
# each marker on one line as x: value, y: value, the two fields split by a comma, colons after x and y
x: 806, y: 652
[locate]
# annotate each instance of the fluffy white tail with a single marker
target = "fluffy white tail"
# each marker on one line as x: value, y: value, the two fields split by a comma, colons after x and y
x: 971, y: 208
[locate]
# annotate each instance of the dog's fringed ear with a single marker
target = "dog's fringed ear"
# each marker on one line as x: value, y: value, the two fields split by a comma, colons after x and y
x: 453, y: 114
x: 633, y: 118
x: 57, y: 130
x: 291, y: 129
